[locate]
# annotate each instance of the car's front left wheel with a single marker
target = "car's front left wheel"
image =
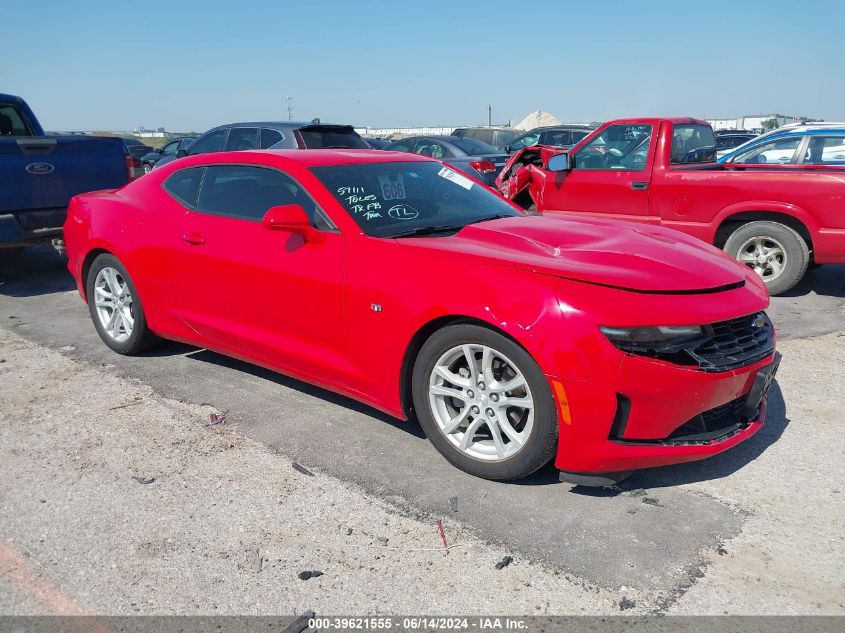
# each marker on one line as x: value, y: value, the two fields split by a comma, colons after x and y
x: 484, y: 403
x: 116, y: 308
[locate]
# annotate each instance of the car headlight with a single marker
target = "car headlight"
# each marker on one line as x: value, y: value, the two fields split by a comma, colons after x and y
x: 637, y: 338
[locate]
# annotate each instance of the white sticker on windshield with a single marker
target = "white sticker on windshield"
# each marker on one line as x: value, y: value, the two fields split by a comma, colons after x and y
x: 455, y: 177
x: 392, y: 188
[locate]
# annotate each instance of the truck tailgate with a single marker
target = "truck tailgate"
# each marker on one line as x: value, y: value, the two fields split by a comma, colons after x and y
x: 45, y: 172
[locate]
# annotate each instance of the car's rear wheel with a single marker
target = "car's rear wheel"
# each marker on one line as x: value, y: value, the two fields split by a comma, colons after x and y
x: 773, y: 250
x: 484, y: 403
x: 116, y: 308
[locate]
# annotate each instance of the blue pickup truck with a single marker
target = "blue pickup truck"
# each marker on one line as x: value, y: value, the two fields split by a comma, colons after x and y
x: 40, y: 173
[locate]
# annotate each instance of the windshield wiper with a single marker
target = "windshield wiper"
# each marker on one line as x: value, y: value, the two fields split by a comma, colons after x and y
x: 428, y: 230
x: 495, y: 217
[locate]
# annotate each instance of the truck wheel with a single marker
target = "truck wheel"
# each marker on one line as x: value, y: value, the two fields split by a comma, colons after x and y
x: 484, y: 403
x: 773, y: 250
x: 116, y: 308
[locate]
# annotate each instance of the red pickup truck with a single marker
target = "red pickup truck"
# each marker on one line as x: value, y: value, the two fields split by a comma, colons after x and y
x: 663, y: 171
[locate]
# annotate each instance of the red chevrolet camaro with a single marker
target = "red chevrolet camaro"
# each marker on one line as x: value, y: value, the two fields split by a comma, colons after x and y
x: 395, y: 280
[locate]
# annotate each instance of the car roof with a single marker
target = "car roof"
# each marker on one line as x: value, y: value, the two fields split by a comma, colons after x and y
x: 579, y: 127
x: 487, y: 127
x: 305, y: 158
x: 279, y: 125
x: 806, y: 130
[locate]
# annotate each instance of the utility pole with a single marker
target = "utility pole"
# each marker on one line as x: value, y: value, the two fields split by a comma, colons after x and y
x: 489, y: 115
x: 290, y: 107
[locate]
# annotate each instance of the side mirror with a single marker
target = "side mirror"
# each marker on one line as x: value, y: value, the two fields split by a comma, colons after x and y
x: 181, y: 153
x: 293, y: 219
x: 560, y: 162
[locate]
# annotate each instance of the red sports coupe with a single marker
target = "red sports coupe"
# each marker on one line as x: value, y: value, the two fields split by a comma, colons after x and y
x: 398, y: 281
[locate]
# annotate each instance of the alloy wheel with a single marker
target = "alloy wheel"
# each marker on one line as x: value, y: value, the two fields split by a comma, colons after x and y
x: 113, y: 303
x: 481, y: 402
x: 766, y: 256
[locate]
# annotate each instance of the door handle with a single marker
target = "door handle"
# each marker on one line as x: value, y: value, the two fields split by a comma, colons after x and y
x: 193, y: 238
x: 639, y: 184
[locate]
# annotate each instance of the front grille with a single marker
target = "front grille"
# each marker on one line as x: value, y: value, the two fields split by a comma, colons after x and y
x: 735, y: 343
x: 722, y: 346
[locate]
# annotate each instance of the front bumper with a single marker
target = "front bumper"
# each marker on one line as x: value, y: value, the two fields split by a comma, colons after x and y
x: 653, y: 413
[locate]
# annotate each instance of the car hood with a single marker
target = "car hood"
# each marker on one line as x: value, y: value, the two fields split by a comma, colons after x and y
x: 612, y: 253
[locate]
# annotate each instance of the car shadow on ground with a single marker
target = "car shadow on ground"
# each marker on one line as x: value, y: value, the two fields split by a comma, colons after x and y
x: 715, y: 467
x: 34, y: 271
x: 411, y: 426
x: 827, y: 280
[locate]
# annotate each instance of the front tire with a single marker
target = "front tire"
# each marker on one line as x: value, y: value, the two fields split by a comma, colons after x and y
x: 773, y: 250
x: 116, y: 308
x: 484, y: 403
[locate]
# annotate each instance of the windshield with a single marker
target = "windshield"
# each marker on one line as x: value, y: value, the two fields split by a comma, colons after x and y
x: 526, y: 140
x: 392, y: 198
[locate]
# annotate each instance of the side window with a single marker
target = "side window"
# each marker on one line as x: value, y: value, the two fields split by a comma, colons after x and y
x: 184, y: 185
x: 402, y: 146
x: 431, y: 148
x: 557, y: 138
x: 185, y: 143
x: 270, y: 137
x: 488, y: 136
x: 11, y: 122
x: 577, y: 136
x: 242, y: 138
x: 211, y: 142
x: 776, y: 152
x: 621, y: 147
x: 826, y: 150
x: 692, y: 143
x: 247, y: 192
x: 170, y: 148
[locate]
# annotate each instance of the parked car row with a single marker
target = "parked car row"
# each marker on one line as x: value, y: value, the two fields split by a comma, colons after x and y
x: 471, y: 156
x: 168, y: 150
x: 271, y: 135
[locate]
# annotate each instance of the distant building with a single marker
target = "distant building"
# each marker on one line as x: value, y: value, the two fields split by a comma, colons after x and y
x: 755, y: 121
x: 145, y: 133
x: 401, y: 132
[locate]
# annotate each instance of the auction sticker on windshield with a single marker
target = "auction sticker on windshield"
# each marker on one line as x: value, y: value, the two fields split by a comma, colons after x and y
x: 455, y: 177
x: 392, y: 188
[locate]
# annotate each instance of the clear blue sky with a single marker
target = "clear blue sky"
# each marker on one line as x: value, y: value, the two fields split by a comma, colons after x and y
x: 188, y: 65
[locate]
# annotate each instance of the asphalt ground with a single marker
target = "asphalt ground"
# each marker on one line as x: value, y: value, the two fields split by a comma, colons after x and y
x: 605, y: 540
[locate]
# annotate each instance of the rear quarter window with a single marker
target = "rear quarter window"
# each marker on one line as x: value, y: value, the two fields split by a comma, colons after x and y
x: 184, y: 185
x: 692, y: 143
x: 11, y: 122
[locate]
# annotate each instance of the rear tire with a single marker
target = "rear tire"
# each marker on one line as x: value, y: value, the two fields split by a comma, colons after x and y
x: 775, y: 251
x: 115, y: 307
x: 498, y: 420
